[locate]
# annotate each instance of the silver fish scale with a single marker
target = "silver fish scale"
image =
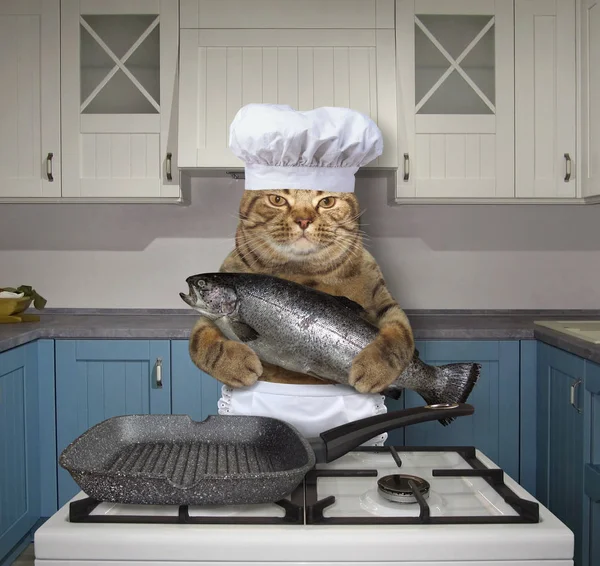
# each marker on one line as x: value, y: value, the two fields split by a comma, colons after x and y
x: 314, y: 333
x: 326, y: 331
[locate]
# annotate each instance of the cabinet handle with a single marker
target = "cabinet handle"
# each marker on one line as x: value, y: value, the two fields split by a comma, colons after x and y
x: 406, y: 167
x: 567, y: 167
x: 574, y: 386
x: 169, y: 176
x: 159, y: 382
x: 49, y: 167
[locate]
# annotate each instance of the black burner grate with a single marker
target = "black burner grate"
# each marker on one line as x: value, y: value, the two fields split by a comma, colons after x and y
x: 528, y: 511
x: 304, y: 507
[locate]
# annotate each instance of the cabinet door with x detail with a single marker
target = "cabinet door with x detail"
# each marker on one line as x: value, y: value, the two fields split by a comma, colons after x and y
x: 456, y: 92
x: 118, y: 77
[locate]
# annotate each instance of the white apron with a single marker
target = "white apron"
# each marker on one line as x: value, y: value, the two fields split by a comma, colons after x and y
x: 312, y: 409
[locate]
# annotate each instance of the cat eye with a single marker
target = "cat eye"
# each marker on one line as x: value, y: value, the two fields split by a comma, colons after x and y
x: 276, y: 200
x: 327, y: 202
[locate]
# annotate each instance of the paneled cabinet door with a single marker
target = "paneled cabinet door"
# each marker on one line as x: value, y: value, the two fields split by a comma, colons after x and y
x: 99, y: 379
x: 195, y: 393
x: 494, y: 426
x: 19, y: 445
x: 30, y: 99
x: 590, y: 94
x: 560, y: 428
x: 591, y: 476
x: 303, y: 61
x: 545, y: 99
x: 119, y: 63
x: 456, y: 99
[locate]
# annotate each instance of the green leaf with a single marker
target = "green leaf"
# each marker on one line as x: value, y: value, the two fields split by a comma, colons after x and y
x: 38, y: 301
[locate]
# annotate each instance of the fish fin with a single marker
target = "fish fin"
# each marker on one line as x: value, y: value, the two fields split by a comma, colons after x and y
x: 393, y: 393
x: 244, y: 332
x: 460, y: 378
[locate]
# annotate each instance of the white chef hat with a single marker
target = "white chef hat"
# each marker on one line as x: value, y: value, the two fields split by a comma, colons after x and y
x: 318, y: 149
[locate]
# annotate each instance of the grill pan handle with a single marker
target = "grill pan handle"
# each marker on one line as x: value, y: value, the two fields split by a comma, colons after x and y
x: 336, y: 442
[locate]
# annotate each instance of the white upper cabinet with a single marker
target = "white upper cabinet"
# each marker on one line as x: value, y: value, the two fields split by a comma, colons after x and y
x: 545, y: 99
x: 590, y: 97
x: 305, y: 53
x: 118, y: 78
x: 30, y: 99
x: 456, y: 99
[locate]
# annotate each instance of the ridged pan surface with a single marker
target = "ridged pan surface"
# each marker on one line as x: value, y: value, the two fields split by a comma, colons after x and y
x: 173, y: 460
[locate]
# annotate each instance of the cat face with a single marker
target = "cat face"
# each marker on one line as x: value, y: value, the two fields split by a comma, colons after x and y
x: 298, y: 223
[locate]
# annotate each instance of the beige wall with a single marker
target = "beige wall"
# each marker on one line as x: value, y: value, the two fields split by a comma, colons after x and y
x: 434, y: 257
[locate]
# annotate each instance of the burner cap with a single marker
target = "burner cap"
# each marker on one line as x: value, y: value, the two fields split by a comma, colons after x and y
x: 396, y: 488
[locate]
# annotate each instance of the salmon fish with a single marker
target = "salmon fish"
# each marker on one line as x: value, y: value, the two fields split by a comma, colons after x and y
x: 308, y: 331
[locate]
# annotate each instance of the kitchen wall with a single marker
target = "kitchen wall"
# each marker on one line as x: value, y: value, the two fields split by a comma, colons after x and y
x: 433, y: 256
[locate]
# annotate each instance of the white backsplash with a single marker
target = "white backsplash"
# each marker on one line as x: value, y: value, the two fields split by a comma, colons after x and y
x: 433, y: 257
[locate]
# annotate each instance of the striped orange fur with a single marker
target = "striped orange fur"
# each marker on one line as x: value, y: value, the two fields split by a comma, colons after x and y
x: 313, y: 238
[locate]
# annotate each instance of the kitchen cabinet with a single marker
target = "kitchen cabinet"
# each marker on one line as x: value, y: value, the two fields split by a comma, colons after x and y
x: 487, y: 94
x: 560, y: 429
x: 194, y: 392
x: 456, y: 98
x: 19, y: 445
x: 545, y: 99
x: 590, y: 93
x: 30, y: 151
x: 590, y: 539
x: 306, y: 54
x: 99, y: 379
x: 118, y: 99
x: 494, y: 427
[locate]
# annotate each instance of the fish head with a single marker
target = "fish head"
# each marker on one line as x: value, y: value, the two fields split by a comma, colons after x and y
x: 211, y: 294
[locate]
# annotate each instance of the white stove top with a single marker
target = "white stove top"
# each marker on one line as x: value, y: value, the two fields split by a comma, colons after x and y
x: 361, y: 538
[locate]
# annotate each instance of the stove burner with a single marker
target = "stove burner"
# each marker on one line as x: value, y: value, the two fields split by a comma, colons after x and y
x: 396, y: 488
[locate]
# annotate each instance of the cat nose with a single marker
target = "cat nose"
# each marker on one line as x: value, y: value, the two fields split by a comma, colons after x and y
x: 303, y: 222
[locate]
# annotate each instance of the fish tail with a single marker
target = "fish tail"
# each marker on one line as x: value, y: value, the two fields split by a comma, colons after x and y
x: 459, y: 381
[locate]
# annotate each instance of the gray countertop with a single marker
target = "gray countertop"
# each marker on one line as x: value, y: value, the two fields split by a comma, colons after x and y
x: 445, y: 325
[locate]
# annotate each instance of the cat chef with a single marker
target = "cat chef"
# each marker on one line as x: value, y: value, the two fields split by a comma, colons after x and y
x: 319, y: 149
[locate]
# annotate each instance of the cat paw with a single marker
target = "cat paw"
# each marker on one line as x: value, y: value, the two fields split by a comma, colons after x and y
x: 235, y: 364
x: 373, y: 370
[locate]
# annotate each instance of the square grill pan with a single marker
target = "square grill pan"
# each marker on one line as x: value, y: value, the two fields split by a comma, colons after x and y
x: 173, y: 460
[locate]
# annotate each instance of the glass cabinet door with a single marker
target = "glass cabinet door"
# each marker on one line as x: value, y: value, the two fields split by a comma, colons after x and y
x: 119, y: 62
x: 456, y: 64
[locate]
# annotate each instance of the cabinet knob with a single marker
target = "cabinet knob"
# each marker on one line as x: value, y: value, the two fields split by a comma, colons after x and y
x: 49, y: 167
x: 574, y: 387
x: 159, y: 382
x: 567, y: 167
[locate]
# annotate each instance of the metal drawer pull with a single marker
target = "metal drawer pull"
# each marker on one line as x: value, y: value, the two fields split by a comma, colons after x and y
x: 567, y: 167
x: 169, y: 176
x: 574, y: 386
x: 49, y: 167
x: 406, y: 167
x: 159, y: 382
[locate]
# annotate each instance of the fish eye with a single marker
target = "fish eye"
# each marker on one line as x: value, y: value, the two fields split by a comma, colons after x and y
x: 201, y: 283
x: 277, y: 200
x: 327, y: 202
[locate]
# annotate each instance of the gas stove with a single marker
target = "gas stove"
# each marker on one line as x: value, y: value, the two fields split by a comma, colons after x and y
x: 423, y: 506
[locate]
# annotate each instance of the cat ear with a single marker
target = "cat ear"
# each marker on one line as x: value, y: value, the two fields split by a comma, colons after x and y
x: 244, y: 332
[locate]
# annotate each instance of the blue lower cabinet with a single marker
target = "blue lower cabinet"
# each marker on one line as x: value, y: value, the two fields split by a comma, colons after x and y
x: 560, y: 445
x: 591, y: 458
x: 99, y: 379
x: 494, y: 427
x: 195, y: 393
x: 19, y: 446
